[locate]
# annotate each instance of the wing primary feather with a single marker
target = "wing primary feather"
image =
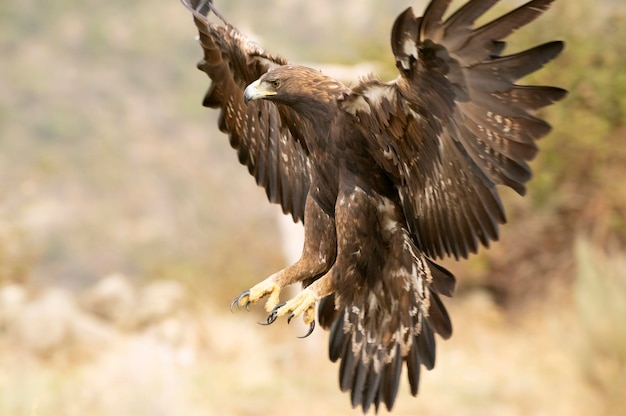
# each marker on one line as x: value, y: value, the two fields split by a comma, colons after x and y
x: 431, y: 22
x: 438, y: 317
x: 477, y: 45
x: 436, y: 223
x: 201, y: 6
x: 463, y: 238
x: 273, y: 160
x: 458, y: 25
x: 530, y: 97
x: 499, y: 74
x: 447, y: 232
x: 443, y: 281
x: 470, y: 213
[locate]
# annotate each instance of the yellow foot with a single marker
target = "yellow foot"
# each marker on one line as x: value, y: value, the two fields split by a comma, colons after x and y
x: 303, y: 304
x: 257, y: 292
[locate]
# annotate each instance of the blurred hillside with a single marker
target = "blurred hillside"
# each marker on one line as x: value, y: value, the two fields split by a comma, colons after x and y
x: 109, y: 164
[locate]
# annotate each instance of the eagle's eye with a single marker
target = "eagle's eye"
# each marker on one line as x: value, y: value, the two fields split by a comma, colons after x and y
x: 275, y: 83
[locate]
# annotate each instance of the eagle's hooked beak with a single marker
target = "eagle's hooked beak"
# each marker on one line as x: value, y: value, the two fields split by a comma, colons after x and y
x: 256, y: 91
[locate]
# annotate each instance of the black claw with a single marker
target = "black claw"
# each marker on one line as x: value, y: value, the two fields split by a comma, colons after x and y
x: 311, y: 328
x: 270, y: 319
x: 238, y: 298
x: 290, y: 318
x: 272, y: 315
x: 277, y: 307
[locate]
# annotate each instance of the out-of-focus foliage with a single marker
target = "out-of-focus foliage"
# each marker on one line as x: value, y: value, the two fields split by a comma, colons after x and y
x: 584, y: 159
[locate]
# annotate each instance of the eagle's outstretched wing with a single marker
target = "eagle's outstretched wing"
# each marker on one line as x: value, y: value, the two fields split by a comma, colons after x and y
x: 269, y: 139
x: 454, y: 124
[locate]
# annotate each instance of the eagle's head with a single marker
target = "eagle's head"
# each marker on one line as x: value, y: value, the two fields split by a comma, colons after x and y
x: 295, y: 85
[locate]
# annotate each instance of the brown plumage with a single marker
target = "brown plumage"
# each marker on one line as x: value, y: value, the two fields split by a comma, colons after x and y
x: 386, y: 176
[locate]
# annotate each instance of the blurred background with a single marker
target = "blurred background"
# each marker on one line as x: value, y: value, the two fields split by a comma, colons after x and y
x: 127, y: 225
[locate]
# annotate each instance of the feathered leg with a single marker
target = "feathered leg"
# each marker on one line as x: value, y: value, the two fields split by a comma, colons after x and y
x: 318, y: 255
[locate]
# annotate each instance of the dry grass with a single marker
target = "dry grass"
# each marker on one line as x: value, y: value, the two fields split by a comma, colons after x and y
x: 212, y: 362
x: 601, y: 304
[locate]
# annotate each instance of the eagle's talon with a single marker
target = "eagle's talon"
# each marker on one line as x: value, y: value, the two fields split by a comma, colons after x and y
x: 271, y: 318
x: 276, y: 308
x: 311, y: 328
x: 273, y: 315
x: 267, y: 287
x: 237, y: 300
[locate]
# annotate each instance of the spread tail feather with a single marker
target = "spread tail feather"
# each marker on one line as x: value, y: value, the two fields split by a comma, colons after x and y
x: 390, y: 325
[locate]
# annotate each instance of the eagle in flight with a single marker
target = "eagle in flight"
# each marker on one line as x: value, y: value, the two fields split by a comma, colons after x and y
x: 387, y: 177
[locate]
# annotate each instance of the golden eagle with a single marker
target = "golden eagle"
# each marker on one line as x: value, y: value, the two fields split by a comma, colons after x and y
x: 385, y: 176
